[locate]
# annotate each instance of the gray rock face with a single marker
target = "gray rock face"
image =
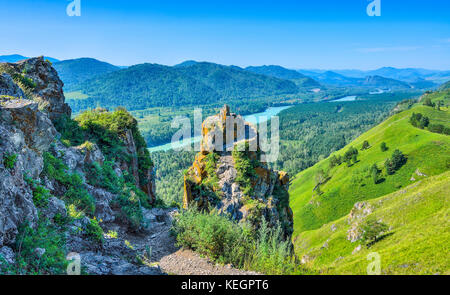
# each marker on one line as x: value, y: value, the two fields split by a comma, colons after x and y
x: 55, y: 206
x: 103, y: 199
x: 49, y: 88
x: 8, y: 255
x: 25, y: 133
x: 359, y: 211
x: 9, y: 88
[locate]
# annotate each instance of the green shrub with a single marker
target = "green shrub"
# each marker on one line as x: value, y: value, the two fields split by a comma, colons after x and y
x: 226, y: 241
x: 351, y: 155
x: 273, y: 253
x: 94, y: 231
x: 40, y: 196
x: 71, y: 133
x: 419, y: 121
x: 397, y: 160
x: 212, y: 180
x: 76, y: 194
x: 372, y: 231
x: 9, y: 160
x: 335, y: 161
x: 375, y: 172
x: 428, y: 102
x: 245, y: 168
x: 365, y: 145
x: 45, y: 236
x: 383, y: 147
x: 213, y: 235
x: 130, y: 201
x: 439, y: 128
x: 103, y: 176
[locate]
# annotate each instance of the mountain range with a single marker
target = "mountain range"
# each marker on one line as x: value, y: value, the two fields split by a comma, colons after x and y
x: 93, y: 82
x: 411, y: 75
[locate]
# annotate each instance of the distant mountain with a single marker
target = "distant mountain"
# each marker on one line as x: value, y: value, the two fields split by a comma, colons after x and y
x: 283, y: 73
x: 186, y: 64
x: 276, y: 71
x: 352, y: 73
x: 334, y: 79
x: 372, y: 81
x: 152, y: 85
x: 414, y: 76
x: 423, y: 84
x: 17, y: 57
x: 74, y: 71
x: 408, y: 75
x: 378, y: 81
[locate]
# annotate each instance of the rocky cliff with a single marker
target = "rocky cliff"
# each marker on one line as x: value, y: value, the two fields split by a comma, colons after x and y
x: 61, y: 195
x: 231, y: 178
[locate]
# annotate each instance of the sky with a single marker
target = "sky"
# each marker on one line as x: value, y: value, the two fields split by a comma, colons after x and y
x: 314, y: 34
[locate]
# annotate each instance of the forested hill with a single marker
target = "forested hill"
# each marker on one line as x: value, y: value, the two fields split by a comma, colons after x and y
x: 378, y: 81
x: 283, y: 73
x: 75, y: 71
x: 152, y: 85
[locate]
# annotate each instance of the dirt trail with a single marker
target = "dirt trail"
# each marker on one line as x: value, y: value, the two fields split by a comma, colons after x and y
x: 156, y: 248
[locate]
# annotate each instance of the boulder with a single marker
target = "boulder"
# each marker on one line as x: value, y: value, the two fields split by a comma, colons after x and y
x: 103, y: 198
x: 55, y: 207
x: 8, y: 255
x: 8, y: 89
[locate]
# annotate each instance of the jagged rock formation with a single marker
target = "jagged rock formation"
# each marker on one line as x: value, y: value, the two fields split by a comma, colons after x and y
x: 31, y: 104
x: 24, y: 134
x: 217, y: 178
x: 40, y: 80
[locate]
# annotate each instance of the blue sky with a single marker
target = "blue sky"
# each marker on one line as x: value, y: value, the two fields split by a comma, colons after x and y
x: 327, y: 34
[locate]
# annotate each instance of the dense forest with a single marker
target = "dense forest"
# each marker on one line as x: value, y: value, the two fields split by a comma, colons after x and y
x: 310, y: 132
x: 76, y: 71
x: 151, y: 85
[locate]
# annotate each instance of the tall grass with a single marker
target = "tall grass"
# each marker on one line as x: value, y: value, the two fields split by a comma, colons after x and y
x: 264, y: 250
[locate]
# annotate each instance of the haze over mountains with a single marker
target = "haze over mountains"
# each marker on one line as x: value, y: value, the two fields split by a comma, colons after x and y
x: 407, y: 75
x: 152, y: 85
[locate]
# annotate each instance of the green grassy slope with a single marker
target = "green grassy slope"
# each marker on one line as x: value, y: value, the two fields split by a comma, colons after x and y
x: 414, y: 201
x: 426, y: 151
x: 418, y: 241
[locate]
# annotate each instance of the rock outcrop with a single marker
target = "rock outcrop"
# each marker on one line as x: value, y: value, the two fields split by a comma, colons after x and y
x: 25, y: 133
x: 215, y: 180
x: 40, y: 80
x: 31, y: 103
